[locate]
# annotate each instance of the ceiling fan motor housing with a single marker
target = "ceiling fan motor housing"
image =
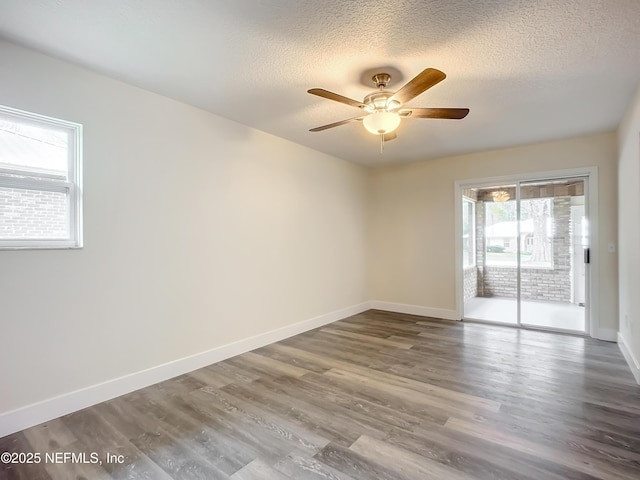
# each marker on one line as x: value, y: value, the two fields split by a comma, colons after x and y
x: 378, y: 100
x: 381, y: 118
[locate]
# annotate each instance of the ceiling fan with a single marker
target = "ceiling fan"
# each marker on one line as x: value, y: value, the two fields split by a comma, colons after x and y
x: 382, y: 109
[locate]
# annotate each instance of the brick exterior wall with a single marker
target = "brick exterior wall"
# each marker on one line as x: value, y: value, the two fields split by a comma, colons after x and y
x: 470, y: 283
x: 32, y: 214
x: 499, y: 282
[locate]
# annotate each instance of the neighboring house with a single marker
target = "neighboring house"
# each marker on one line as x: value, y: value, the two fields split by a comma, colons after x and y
x: 32, y: 153
x: 505, y: 235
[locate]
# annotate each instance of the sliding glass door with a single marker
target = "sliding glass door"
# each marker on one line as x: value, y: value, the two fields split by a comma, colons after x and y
x: 524, y: 249
x: 553, y: 239
x: 491, y: 280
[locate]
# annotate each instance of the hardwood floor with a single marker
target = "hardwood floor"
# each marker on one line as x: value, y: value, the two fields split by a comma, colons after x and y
x: 375, y: 396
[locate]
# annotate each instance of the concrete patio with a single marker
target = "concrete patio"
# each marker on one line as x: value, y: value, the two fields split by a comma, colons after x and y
x: 538, y: 313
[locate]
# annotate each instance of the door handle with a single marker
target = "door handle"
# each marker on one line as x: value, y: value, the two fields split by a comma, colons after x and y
x: 587, y: 255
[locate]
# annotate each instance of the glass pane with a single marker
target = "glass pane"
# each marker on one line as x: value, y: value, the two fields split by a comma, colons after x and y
x: 33, y: 147
x: 552, y: 237
x: 495, y: 295
x: 536, y: 230
x: 33, y: 214
x: 501, y: 232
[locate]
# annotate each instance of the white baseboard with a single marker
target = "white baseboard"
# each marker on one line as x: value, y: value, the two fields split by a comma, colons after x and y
x: 34, y: 414
x: 606, y: 334
x: 634, y: 365
x: 415, y: 310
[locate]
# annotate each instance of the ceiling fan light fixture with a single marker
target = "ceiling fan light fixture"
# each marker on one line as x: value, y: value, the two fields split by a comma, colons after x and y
x: 381, y: 122
x: 500, y: 196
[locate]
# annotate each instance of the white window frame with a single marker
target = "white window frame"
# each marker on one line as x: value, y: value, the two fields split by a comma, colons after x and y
x: 465, y: 202
x: 49, y: 182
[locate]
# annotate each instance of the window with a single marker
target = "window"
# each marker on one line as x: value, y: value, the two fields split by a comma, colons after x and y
x: 40, y: 181
x: 468, y: 232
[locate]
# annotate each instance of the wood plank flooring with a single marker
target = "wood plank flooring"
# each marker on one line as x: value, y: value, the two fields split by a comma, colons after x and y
x: 375, y: 396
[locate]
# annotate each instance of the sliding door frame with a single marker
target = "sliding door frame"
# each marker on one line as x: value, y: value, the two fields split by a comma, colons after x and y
x: 593, y: 268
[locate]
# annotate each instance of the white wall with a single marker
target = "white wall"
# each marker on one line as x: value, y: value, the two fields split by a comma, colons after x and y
x: 413, y: 221
x: 198, y: 232
x: 629, y: 232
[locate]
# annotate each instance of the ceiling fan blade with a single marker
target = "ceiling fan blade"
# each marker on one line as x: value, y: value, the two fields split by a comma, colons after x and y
x: 420, y: 83
x: 336, y: 124
x: 390, y: 136
x: 446, y: 113
x: 321, y: 92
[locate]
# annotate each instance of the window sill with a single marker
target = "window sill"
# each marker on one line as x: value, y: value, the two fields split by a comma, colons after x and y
x: 40, y: 246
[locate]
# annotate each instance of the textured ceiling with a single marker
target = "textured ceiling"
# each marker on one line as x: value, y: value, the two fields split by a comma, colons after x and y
x: 529, y: 71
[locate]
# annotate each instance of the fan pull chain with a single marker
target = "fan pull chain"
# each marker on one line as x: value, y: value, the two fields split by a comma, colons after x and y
x: 381, y: 143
